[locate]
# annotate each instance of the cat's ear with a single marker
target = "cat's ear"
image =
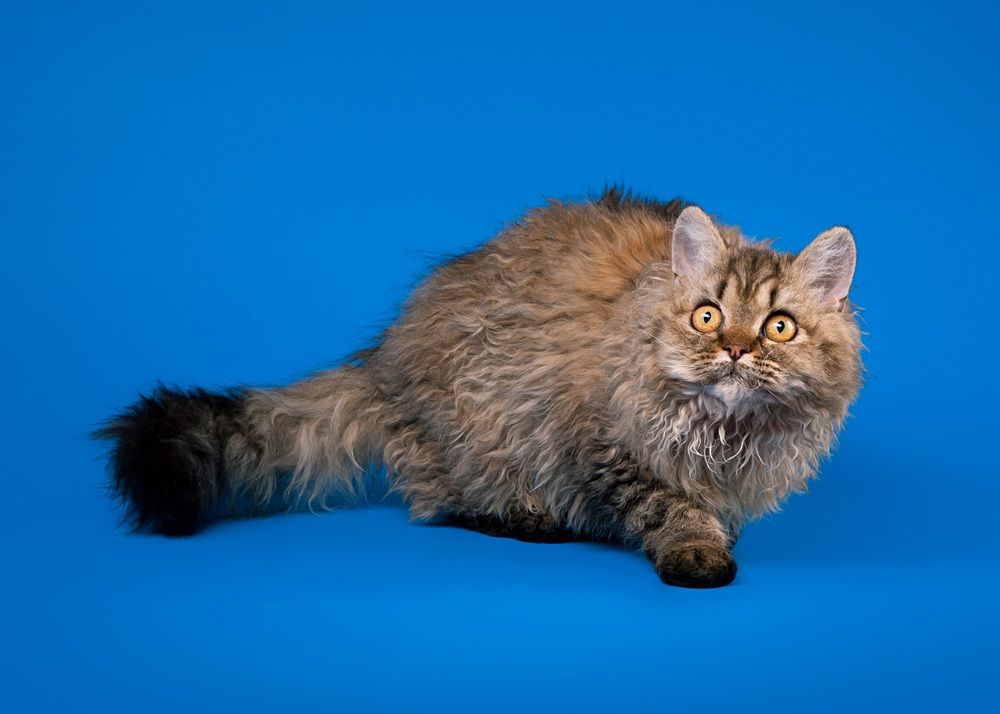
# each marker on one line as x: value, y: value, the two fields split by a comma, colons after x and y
x: 826, y: 266
x: 696, y: 245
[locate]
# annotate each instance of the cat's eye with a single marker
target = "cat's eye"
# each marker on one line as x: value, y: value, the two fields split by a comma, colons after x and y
x: 706, y: 318
x: 780, y: 328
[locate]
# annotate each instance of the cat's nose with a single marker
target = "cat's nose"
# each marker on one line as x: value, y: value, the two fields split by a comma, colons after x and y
x: 736, y: 350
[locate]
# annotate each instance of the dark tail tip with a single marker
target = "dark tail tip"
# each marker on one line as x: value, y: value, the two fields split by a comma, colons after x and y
x: 167, y: 461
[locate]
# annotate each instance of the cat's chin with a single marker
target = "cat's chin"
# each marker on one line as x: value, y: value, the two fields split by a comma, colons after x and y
x: 731, y: 390
x: 734, y: 387
x: 736, y: 394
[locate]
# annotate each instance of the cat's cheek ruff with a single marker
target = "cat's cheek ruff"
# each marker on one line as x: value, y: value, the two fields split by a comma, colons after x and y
x: 672, y: 349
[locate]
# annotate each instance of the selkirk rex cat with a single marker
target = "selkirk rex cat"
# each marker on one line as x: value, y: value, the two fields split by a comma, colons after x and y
x: 621, y: 369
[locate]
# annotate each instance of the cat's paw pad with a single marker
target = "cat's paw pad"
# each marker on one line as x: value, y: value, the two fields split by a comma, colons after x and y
x: 697, y: 565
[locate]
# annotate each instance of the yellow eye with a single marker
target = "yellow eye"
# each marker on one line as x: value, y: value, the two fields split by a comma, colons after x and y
x: 780, y: 328
x: 706, y: 318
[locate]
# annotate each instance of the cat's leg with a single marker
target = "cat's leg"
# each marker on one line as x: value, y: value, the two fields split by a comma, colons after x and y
x: 733, y: 530
x: 519, y: 524
x: 689, y: 546
x: 419, y: 471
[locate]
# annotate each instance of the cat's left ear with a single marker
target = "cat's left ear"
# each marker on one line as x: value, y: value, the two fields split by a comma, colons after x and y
x: 826, y: 266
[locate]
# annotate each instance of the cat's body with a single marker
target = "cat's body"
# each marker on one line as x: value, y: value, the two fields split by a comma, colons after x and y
x: 555, y: 381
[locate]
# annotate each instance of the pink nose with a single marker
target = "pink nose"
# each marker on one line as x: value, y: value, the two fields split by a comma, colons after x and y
x: 736, y: 351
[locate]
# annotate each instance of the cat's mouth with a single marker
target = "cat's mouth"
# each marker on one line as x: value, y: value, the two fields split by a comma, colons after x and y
x: 739, y: 387
x: 729, y: 380
x: 732, y: 371
x: 737, y: 376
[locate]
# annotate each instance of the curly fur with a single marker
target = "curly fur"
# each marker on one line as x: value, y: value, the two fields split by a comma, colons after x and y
x: 550, y: 380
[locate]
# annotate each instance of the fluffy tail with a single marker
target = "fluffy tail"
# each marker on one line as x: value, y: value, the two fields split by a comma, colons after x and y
x: 177, y: 456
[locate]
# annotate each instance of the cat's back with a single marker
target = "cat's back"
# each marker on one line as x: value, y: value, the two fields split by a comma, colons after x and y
x: 558, y: 261
x: 535, y: 296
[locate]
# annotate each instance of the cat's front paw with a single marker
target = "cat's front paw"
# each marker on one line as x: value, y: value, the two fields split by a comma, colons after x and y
x: 696, y: 565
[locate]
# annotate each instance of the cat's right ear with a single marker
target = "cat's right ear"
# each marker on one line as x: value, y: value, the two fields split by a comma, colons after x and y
x: 696, y: 245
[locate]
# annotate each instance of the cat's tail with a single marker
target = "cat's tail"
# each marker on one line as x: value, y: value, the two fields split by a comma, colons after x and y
x: 178, y: 457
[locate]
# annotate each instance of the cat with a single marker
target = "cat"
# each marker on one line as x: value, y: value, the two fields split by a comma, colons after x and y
x: 620, y: 368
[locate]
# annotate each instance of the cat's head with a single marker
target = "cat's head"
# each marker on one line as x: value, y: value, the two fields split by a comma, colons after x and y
x: 750, y: 325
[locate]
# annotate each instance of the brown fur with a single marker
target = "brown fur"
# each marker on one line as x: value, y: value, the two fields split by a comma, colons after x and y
x: 552, y: 381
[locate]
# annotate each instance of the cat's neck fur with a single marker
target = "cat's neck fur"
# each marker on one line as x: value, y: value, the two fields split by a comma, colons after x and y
x: 737, y: 455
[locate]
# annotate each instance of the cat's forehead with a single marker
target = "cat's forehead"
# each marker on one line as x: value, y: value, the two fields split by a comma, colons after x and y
x: 752, y: 276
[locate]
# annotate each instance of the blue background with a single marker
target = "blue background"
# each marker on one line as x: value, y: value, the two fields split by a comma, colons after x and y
x: 243, y: 193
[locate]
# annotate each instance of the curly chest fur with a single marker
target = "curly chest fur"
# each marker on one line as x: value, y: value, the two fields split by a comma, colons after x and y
x: 738, y: 463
